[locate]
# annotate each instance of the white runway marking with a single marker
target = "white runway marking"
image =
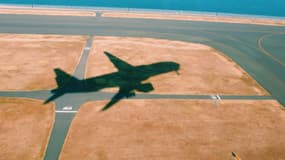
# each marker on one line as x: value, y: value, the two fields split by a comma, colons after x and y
x: 216, y: 99
x: 65, y: 111
x: 219, y: 98
x: 213, y: 97
x: 67, y: 108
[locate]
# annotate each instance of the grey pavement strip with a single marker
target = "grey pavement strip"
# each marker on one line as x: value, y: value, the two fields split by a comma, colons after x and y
x: 95, y: 96
x: 63, y: 121
x: 80, y: 68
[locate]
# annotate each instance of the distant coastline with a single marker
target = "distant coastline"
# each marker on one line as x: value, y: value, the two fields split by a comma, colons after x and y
x: 273, y: 8
x: 139, y: 10
x: 142, y: 14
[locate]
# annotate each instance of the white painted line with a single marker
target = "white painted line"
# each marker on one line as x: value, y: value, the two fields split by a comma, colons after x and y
x: 67, y: 108
x: 87, y: 48
x: 213, y: 97
x: 216, y: 99
x: 65, y: 111
x: 219, y: 98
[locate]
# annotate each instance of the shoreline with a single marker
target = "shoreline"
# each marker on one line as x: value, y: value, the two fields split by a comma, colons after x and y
x: 142, y: 14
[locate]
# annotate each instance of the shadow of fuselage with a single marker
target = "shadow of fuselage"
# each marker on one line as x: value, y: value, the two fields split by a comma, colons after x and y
x: 128, y: 78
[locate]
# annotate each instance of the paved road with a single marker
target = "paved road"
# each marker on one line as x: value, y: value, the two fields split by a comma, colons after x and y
x: 251, y: 46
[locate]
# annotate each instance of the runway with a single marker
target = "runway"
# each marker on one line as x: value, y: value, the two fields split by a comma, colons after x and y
x: 251, y: 46
x: 238, y: 41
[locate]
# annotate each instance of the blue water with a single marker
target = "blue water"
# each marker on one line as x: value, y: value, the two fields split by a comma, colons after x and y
x: 255, y: 7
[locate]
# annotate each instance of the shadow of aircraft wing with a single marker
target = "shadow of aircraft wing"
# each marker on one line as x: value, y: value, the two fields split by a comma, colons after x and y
x: 120, y: 95
x: 53, y: 97
x: 118, y: 63
x: 65, y: 83
x: 113, y: 101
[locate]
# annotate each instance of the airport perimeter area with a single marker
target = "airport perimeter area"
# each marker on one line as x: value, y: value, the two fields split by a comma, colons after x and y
x: 116, y: 87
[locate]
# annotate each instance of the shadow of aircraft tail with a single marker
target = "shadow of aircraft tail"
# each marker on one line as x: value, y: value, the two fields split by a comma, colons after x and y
x: 64, y: 82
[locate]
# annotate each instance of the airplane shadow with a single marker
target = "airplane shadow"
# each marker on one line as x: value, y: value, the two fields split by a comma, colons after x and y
x: 128, y: 78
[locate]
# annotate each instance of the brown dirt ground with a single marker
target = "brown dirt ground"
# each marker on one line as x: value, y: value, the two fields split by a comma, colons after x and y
x: 197, y: 17
x: 50, y: 12
x: 25, y: 127
x: 204, y: 70
x: 177, y: 129
x: 27, y: 61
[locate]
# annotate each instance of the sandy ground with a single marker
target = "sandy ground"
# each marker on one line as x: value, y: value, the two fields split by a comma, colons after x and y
x: 25, y: 127
x: 197, y: 17
x: 147, y: 15
x: 177, y: 129
x: 204, y: 70
x: 41, y: 11
x: 27, y: 61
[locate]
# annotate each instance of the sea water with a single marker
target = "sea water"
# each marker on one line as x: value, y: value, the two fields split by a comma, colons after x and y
x: 254, y: 7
